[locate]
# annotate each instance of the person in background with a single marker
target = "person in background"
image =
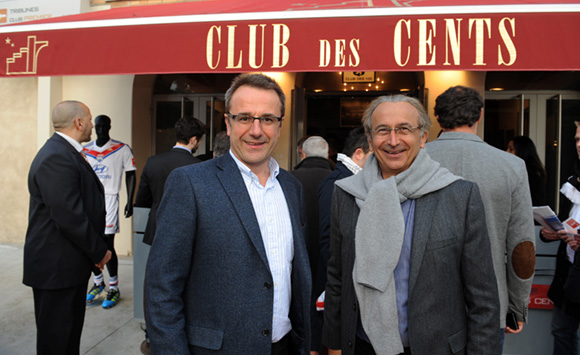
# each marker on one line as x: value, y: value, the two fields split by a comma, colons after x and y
x: 566, y: 297
x: 525, y: 148
x: 221, y: 144
x: 65, y: 236
x: 352, y: 159
x: 311, y: 170
x: 503, y: 183
x: 189, y: 132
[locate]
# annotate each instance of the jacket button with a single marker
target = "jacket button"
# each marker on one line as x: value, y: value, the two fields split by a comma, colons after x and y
x: 354, y: 306
x: 267, y: 285
x: 265, y: 332
x: 350, y: 344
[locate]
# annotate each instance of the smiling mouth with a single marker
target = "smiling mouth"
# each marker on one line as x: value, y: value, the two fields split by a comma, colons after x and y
x: 255, y: 144
x: 394, y: 152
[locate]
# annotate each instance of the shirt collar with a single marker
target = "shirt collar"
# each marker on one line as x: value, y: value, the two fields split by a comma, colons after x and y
x: 349, y: 163
x: 246, y: 172
x: 76, y: 145
x: 184, y: 148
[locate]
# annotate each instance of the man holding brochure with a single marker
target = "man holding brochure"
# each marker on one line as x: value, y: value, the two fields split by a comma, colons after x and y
x: 566, y: 297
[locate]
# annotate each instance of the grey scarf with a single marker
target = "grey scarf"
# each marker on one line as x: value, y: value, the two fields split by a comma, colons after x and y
x: 379, y: 238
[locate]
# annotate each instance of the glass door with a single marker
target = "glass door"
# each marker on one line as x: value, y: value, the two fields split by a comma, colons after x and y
x: 505, y: 117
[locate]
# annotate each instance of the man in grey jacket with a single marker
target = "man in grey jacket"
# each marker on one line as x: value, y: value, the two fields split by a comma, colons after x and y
x: 503, y: 182
x: 410, y: 267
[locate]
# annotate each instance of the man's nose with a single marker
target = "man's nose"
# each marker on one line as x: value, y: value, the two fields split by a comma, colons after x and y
x: 392, y: 138
x: 256, y: 128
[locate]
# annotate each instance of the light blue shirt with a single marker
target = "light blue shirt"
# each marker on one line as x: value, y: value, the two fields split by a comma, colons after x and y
x: 273, y: 217
x: 403, y: 269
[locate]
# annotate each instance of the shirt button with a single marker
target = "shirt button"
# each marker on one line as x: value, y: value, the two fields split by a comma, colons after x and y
x: 267, y: 285
x: 265, y: 332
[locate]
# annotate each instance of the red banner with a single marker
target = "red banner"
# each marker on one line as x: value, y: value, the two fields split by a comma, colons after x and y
x: 539, y: 297
x: 488, y: 42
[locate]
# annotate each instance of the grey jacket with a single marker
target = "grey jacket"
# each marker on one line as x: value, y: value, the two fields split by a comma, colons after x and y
x: 453, y: 304
x: 503, y: 183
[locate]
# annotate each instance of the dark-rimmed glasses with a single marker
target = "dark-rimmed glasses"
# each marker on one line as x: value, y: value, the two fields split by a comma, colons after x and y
x: 245, y: 119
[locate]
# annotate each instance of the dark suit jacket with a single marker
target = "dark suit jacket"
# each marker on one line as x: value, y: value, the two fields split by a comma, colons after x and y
x: 453, y: 304
x: 152, y: 183
x: 66, y: 220
x: 209, y: 287
x: 310, y: 172
x: 565, y: 298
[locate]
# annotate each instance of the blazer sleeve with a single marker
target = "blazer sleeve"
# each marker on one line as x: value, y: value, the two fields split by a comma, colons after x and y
x: 62, y: 182
x: 480, y: 285
x: 572, y: 285
x: 520, y: 247
x: 331, y: 331
x: 165, y: 280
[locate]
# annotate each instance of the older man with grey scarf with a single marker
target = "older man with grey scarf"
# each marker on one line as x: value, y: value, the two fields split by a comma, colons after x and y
x: 410, y: 268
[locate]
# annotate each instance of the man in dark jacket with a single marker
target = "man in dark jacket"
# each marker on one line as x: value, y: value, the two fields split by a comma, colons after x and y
x: 189, y: 132
x: 310, y: 172
x: 352, y: 159
x: 566, y: 313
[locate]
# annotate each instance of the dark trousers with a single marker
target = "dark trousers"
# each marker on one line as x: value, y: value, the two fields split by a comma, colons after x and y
x: 60, y: 315
x: 363, y: 348
x: 282, y: 347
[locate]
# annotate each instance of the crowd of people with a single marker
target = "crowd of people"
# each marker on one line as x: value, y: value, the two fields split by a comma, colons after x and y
x: 397, y: 246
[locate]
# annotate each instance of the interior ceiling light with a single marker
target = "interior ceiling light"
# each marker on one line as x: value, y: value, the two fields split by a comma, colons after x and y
x: 496, y: 89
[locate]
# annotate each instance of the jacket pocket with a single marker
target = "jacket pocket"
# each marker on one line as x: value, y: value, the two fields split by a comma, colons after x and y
x: 441, y: 243
x: 204, y: 337
x: 458, y: 342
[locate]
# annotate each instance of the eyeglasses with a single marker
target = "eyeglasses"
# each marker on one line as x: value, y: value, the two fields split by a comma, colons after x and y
x: 246, y: 120
x: 400, y: 131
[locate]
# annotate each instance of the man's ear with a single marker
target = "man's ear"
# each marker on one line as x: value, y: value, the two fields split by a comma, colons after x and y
x: 227, y: 124
x: 424, y: 139
x: 358, y: 155
x: 193, y: 141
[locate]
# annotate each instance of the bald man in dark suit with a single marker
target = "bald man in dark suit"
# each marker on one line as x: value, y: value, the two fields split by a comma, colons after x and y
x: 65, y: 236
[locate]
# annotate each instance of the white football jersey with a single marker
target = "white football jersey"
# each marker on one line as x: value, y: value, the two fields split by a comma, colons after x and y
x: 109, y: 162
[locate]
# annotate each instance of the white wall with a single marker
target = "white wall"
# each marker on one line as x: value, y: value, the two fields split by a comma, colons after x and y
x: 110, y: 95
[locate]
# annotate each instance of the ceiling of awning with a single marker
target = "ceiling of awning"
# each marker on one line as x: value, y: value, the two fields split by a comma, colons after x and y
x: 253, y: 35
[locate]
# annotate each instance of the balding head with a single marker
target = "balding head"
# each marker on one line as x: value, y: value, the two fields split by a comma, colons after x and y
x: 64, y: 114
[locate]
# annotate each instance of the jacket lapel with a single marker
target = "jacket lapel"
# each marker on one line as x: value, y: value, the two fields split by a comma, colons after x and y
x: 233, y: 184
x: 424, y: 210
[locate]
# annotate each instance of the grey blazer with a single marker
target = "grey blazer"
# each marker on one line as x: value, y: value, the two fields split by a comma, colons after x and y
x: 209, y: 288
x: 503, y: 181
x: 453, y: 305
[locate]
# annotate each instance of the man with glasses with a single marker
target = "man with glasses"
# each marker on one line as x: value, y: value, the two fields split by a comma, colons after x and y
x: 410, y: 267
x: 228, y: 269
x: 503, y: 182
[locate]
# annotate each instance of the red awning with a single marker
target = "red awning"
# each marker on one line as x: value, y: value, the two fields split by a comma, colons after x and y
x: 239, y: 36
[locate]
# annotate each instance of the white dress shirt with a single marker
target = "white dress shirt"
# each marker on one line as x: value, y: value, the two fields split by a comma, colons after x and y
x: 273, y: 217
